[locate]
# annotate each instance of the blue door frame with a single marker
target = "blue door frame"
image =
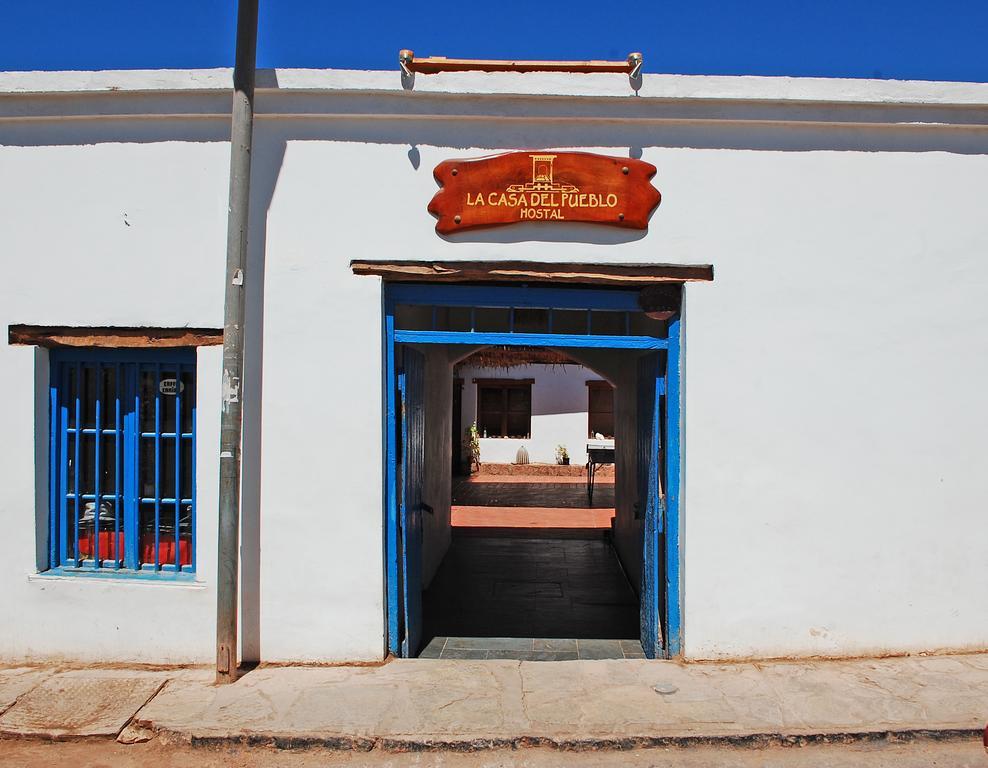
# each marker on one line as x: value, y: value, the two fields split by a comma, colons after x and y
x: 669, y: 577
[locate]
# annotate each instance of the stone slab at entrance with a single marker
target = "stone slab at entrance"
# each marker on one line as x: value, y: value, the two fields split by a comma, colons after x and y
x: 81, y: 703
x: 530, y: 649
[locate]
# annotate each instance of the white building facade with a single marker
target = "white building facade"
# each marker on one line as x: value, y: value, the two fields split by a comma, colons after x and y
x: 833, y: 371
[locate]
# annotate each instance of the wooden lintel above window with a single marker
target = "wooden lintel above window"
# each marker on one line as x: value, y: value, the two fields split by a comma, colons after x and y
x: 505, y: 382
x: 119, y: 337
x: 620, y: 275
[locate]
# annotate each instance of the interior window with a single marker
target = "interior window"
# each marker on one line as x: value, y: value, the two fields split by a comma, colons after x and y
x: 600, y: 409
x: 504, y: 408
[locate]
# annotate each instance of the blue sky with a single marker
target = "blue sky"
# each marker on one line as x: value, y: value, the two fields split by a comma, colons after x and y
x: 907, y: 39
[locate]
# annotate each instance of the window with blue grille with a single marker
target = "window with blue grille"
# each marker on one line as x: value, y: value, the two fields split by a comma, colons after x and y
x: 123, y: 454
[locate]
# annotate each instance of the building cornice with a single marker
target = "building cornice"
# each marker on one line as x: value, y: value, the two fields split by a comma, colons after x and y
x: 306, y: 93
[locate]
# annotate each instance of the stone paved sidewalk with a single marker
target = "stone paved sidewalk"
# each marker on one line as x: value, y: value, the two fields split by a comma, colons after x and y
x: 421, y: 704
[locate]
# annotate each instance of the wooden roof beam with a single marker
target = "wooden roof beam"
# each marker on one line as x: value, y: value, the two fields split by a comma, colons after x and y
x: 432, y: 65
x: 619, y: 275
x: 115, y: 337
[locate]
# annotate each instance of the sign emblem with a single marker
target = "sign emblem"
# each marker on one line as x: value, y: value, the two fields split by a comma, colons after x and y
x: 542, y: 178
x: 561, y: 186
x: 170, y: 386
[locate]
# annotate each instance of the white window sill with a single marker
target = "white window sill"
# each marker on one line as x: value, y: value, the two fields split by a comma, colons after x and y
x: 64, y: 578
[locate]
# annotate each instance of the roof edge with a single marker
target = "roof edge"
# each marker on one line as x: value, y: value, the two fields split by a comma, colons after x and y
x: 603, y: 86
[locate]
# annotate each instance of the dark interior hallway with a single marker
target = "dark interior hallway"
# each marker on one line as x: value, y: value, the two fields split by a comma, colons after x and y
x: 533, y: 594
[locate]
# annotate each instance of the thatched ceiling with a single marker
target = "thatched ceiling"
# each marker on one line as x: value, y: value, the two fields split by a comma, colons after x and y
x: 510, y: 357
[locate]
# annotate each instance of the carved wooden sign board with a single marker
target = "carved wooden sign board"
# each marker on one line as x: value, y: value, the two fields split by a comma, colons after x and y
x: 543, y: 186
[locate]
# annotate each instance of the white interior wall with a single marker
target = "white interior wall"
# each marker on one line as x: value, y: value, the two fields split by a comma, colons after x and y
x: 620, y: 368
x: 559, y: 412
x: 833, y: 371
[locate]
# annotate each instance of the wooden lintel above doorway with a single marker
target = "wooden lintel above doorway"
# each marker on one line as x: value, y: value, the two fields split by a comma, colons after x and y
x: 118, y: 337
x: 618, y: 275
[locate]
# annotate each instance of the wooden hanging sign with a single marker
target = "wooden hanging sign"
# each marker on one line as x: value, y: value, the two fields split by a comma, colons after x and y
x: 543, y: 186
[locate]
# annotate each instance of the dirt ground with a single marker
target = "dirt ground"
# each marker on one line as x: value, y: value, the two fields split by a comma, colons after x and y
x: 107, y: 754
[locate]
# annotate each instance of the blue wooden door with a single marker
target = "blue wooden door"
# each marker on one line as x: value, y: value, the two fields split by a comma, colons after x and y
x: 411, y: 388
x: 651, y: 388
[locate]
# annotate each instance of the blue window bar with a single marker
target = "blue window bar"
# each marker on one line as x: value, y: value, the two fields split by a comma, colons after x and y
x: 123, y: 427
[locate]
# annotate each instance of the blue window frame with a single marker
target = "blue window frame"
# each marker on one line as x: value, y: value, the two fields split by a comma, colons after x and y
x: 123, y: 455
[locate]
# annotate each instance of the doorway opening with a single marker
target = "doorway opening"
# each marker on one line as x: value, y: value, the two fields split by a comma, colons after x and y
x: 532, y: 473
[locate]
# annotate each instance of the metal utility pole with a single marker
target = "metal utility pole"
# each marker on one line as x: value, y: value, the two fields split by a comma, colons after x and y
x: 241, y: 134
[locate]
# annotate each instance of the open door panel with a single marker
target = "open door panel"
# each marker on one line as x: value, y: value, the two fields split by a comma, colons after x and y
x: 651, y: 389
x: 411, y: 391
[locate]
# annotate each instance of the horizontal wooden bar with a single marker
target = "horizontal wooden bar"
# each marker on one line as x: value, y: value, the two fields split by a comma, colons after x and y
x: 531, y: 339
x: 432, y: 65
x: 127, y: 337
x: 505, y: 382
x: 626, y: 275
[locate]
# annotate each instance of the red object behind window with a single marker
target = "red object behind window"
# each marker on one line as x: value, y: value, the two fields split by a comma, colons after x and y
x: 166, y: 550
x: 110, y: 545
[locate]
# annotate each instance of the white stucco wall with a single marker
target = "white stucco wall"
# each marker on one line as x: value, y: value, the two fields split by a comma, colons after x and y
x: 139, y: 240
x: 559, y: 412
x: 834, y: 374
x: 69, y: 258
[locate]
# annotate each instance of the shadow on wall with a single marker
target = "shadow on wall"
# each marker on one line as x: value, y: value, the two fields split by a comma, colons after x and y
x: 268, y: 155
x: 493, y: 135
x: 549, y: 232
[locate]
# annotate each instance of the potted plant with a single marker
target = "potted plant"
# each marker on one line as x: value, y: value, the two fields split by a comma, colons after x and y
x: 562, y: 455
x: 471, y: 441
